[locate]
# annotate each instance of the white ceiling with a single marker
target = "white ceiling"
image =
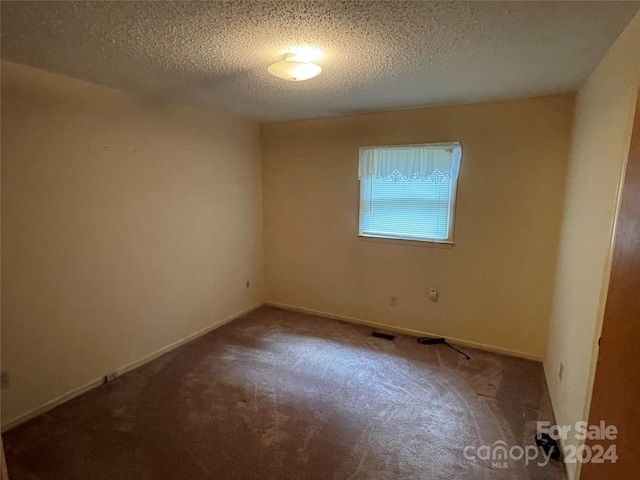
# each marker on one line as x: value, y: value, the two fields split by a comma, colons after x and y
x: 379, y: 55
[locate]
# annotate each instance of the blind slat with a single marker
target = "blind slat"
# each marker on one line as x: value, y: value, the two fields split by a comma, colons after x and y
x: 402, y: 208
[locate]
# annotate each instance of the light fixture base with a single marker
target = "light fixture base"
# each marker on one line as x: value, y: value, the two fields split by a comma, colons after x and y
x: 294, y: 68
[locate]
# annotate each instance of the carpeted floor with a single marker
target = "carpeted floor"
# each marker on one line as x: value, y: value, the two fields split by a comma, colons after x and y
x: 282, y: 395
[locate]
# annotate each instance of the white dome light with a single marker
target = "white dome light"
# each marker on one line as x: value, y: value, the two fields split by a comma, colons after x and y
x: 294, y: 68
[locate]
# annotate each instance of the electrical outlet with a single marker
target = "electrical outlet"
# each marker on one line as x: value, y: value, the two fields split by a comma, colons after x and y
x: 393, y: 301
x: 247, y: 284
x: 110, y: 377
x: 4, y: 379
x: 433, y: 295
x: 560, y: 371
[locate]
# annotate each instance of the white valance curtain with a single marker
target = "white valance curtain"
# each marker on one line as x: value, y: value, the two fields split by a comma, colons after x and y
x: 411, y: 162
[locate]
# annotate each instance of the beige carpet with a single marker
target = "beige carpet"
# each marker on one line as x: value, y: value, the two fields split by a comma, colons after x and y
x: 281, y: 395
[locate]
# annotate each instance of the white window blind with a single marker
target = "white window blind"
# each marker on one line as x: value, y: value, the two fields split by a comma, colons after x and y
x: 408, y: 191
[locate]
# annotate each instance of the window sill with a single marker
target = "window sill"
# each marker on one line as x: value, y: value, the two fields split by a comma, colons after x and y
x: 406, y: 241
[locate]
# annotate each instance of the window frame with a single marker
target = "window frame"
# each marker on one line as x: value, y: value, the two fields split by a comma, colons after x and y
x: 407, y: 239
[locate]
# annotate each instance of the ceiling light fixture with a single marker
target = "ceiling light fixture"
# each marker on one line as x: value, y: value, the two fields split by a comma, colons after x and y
x: 294, y: 68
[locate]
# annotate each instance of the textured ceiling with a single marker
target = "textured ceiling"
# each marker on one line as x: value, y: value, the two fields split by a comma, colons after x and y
x: 378, y: 55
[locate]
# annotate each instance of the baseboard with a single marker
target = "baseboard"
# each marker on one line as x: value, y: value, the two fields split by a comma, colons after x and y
x: 99, y: 381
x: 8, y: 425
x: 187, y: 339
x: 408, y: 331
x: 561, y: 441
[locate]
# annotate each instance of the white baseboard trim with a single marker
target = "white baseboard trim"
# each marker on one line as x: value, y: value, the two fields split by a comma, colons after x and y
x: 408, y: 331
x: 184, y: 340
x: 14, y: 422
x: 561, y: 442
x: 8, y: 425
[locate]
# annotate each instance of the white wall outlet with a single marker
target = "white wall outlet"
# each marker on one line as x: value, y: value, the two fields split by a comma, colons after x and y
x: 110, y: 376
x: 247, y: 284
x: 433, y: 295
x: 560, y: 371
x: 393, y: 301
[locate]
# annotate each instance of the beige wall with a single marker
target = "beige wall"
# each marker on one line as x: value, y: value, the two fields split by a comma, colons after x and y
x: 603, y: 123
x: 495, y: 284
x: 127, y: 225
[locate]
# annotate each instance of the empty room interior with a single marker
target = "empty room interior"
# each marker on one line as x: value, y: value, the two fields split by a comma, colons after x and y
x: 337, y: 240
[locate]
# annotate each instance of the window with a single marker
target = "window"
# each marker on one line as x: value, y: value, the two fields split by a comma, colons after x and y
x: 408, y: 191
